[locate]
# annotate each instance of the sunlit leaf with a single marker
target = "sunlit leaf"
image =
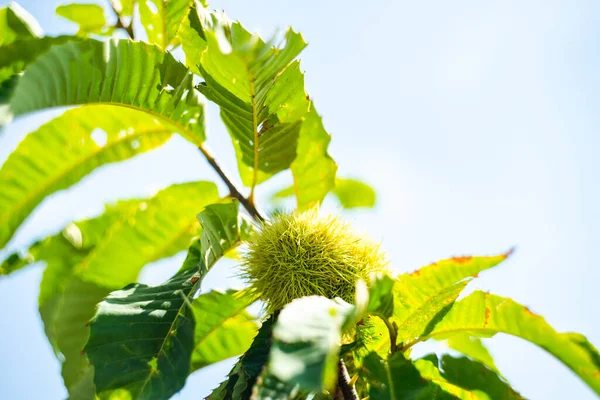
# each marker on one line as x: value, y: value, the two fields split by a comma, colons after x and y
x: 89, y: 17
x: 16, y: 23
x: 473, y: 348
x: 223, y: 327
x: 413, y: 289
x: 66, y: 149
x: 483, y: 314
x: 353, y: 193
x: 261, y: 94
x: 123, y: 7
x: 162, y: 19
x: 122, y: 73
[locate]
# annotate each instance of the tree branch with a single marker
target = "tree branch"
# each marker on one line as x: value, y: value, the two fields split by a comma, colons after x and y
x: 248, y: 205
x: 119, y: 23
x: 344, y: 385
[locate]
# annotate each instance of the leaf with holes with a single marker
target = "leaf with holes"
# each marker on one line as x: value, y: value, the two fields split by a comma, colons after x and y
x: 66, y: 149
x: 120, y: 73
x: 162, y: 19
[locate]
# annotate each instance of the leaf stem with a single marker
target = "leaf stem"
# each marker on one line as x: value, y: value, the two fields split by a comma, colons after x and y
x: 234, y: 192
x: 393, y: 330
x: 344, y: 385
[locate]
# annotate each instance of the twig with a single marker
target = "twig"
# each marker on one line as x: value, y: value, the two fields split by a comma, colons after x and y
x: 348, y: 391
x: 119, y: 23
x: 248, y: 205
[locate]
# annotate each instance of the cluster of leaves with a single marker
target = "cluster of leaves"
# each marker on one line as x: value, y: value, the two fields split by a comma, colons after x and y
x: 120, y: 339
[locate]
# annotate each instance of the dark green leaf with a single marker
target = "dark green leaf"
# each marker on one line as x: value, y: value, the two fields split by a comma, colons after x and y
x: 398, y: 379
x: 246, y: 371
x: 16, y: 23
x: 156, y: 323
x: 142, y: 338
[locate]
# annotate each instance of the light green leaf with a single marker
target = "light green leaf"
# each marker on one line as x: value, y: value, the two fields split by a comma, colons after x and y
x: 464, y: 378
x: 66, y: 149
x: 157, y: 323
x: 398, y: 379
x: 166, y: 219
x: 353, y: 193
x: 162, y: 19
x: 424, y: 319
x: 191, y: 36
x: 223, y: 327
x: 123, y: 7
x: 483, y: 314
x: 261, y: 95
x: 474, y: 348
x: 306, y: 342
x: 16, y: 23
x: 244, y: 374
x: 413, y: 289
x: 89, y: 17
x: 119, y: 72
x: 313, y: 169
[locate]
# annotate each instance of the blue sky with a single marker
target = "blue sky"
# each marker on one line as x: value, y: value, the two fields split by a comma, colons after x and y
x: 477, y: 124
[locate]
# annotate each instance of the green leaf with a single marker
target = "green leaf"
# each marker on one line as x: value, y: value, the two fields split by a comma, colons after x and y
x: 89, y: 17
x: 119, y: 72
x: 16, y: 23
x: 306, y: 342
x: 16, y: 55
x: 224, y: 328
x: 157, y: 228
x: 483, y: 314
x: 162, y: 19
x: 142, y: 338
x: 398, y: 379
x: 269, y: 387
x: 353, y: 193
x: 191, y: 36
x: 460, y: 375
x: 63, y: 151
x: 424, y: 319
x: 244, y: 374
x: 313, y: 169
x: 261, y: 95
x: 156, y: 323
x: 412, y: 290
x: 472, y: 347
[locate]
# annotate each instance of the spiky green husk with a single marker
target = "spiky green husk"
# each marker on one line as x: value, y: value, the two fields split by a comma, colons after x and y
x: 302, y: 254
